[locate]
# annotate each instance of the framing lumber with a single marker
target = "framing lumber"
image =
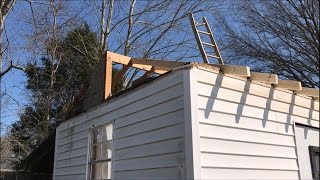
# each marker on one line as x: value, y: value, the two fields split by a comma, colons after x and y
x: 146, y: 75
x: 264, y: 77
x: 120, y: 74
x: 289, y: 84
x: 117, y: 58
x: 157, y: 63
x: 142, y: 67
x: 162, y: 66
x: 312, y: 92
x: 108, y: 79
x: 243, y: 71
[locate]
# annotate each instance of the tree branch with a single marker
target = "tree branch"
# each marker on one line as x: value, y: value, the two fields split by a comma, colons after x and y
x: 11, y: 66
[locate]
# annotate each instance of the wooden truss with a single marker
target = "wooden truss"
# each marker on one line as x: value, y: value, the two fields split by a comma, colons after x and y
x: 161, y: 66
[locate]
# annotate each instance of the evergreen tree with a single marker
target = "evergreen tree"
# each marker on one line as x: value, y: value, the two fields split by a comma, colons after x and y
x: 53, y: 96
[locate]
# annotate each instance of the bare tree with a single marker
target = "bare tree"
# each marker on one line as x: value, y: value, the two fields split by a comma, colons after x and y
x: 278, y: 36
x: 5, y: 8
x: 48, y: 23
x: 150, y: 29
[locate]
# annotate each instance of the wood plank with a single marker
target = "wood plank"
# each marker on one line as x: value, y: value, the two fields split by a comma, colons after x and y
x: 108, y: 79
x: 157, y: 63
x: 309, y: 92
x: 243, y: 71
x: 264, y: 77
x: 289, y: 84
x: 145, y: 76
x: 144, y: 67
x: 117, y: 58
x: 120, y: 74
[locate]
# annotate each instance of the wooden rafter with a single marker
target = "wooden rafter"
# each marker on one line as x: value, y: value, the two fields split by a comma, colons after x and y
x: 312, y: 92
x: 289, y: 84
x: 243, y: 71
x: 148, y: 65
x: 120, y: 74
x: 145, y: 76
x: 162, y: 66
x: 264, y: 77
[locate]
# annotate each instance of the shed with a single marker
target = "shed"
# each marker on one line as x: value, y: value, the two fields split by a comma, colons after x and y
x: 195, y: 121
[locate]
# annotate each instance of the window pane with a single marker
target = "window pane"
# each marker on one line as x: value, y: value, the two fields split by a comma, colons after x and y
x: 106, y: 150
x: 106, y: 170
x: 96, y: 171
x: 96, y: 135
x: 96, y: 152
x: 107, y: 132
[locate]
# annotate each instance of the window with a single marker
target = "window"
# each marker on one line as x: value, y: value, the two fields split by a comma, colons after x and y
x: 100, y: 153
x: 314, y: 157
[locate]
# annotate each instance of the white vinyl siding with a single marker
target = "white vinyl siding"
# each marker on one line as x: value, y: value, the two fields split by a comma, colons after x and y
x: 192, y: 124
x: 148, y: 134
x: 305, y: 137
x: 246, y: 130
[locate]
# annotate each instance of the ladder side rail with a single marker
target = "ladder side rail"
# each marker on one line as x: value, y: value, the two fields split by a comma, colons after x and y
x: 213, y: 41
x: 197, y: 36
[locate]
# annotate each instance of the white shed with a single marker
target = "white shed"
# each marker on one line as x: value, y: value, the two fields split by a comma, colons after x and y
x: 193, y: 122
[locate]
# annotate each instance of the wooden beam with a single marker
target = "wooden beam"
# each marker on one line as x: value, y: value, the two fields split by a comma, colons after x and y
x: 157, y: 63
x: 264, y: 77
x: 160, y: 66
x: 146, y: 75
x: 117, y: 58
x: 243, y: 71
x: 142, y: 66
x: 288, y: 84
x: 120, y: 75
x: 108, y: 79
x: 309, y: 92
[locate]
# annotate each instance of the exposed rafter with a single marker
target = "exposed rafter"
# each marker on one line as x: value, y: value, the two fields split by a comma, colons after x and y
x: 161, y: 66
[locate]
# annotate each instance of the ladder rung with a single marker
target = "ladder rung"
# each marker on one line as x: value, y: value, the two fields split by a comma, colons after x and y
x: 203, y: 32
x: 200, y: 24
x: 208, y: 44
x: 209, y: 55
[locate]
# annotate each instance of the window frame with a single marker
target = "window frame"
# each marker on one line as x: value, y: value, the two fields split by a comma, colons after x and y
x: 100, y: 143
x: 312, y: 152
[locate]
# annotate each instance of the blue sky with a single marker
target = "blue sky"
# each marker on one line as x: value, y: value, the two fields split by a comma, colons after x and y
x: 14, y: 82
x: 16, y: 29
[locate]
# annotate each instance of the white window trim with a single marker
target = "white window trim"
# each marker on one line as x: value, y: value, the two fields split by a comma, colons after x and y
x: 89, y: 162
